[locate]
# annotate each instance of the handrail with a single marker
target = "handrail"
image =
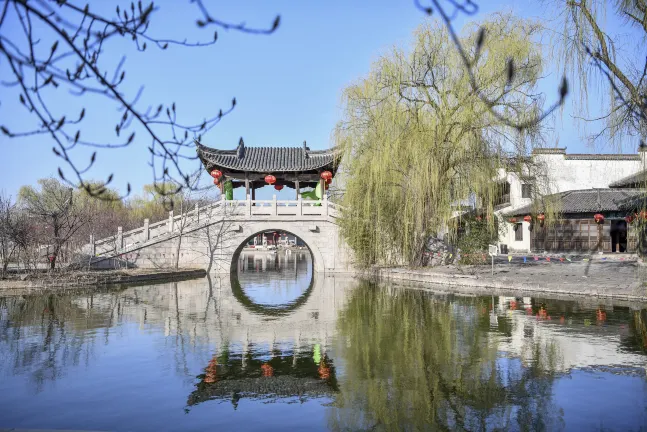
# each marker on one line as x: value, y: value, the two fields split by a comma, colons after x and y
x: 193, y: 216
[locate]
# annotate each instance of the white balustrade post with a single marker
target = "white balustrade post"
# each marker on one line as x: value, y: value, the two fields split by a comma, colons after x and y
x: 147, y: 231
x: 274, y: 210
x: 120, y: 239
x: 249, y: 205
x: 299, y: 206
x: 170, y: 221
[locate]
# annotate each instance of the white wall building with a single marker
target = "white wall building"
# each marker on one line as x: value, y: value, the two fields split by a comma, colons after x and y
x: 556, y: 171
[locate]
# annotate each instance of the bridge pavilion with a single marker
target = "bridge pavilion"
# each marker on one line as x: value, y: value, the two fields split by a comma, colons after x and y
x: 255, y: 167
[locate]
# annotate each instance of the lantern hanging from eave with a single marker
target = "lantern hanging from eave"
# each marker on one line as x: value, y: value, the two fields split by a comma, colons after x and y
x: 215, y: 173
x: 599, y: 218
x: 216, y: 181
x: 541, y: 218
x: 527, y: 218
x: 512, y: 220
x: 629, y: 219
x: 328, y: 181
x: 278, y: 187
x: 270, y: 179
x: 326, y: 175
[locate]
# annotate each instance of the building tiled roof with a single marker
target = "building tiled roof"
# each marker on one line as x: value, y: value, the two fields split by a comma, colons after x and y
x: 585, y: 156
x: 635, y: 180
x: 560, y: 150
x: 269, y: 159
x: 588, y: 201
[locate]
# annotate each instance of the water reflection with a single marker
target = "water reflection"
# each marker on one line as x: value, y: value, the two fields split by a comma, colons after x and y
x: 336, y: 353
x: 273, y: 283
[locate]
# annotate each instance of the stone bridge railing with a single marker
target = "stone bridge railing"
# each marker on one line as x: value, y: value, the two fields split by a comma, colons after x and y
x: 200, y: 216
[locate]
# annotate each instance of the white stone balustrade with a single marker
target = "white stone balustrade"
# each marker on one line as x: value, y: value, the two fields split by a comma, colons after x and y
x: 294, y: 216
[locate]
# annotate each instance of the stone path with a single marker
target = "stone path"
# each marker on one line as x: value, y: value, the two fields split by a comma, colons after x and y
x: 610, y: 278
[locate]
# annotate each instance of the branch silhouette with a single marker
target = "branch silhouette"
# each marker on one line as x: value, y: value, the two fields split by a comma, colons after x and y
x: 448, y: 11
x: 78, y: 36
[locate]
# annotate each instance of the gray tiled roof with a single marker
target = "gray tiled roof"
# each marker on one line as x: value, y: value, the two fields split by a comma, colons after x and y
x: 588, y: 201
x: 269, y: 159
x: 584, y: 156
x: 638, y: 179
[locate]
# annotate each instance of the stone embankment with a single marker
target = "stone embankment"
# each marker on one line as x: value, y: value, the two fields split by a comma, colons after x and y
x: 59, y: 281
x: 622, y: 278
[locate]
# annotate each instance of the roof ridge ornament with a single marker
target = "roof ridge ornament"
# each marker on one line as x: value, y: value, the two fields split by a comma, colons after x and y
x: 240, y: 150
x: 305, y: 150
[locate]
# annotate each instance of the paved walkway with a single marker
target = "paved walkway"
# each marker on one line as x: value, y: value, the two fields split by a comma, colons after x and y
x: 610, y: 277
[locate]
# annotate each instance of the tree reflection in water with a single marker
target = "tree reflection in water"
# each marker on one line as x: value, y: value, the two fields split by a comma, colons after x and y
x: 414, y: 361
x: 42, y: 336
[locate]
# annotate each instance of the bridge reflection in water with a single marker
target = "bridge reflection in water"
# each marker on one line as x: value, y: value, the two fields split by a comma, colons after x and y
x: 282, y: 332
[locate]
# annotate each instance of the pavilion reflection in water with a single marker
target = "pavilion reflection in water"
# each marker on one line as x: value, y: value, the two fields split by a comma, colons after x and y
x: 297, y: 374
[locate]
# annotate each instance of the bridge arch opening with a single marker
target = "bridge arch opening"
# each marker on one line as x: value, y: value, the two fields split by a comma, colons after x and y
x: 305, y: 241
x: 272, y: 272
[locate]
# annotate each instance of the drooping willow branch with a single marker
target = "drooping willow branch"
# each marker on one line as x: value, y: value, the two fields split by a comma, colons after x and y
x: 74, y: 63
x: 469, y: 7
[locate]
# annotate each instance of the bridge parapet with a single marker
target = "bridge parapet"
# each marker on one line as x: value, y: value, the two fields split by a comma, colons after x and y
x: 312, y: 221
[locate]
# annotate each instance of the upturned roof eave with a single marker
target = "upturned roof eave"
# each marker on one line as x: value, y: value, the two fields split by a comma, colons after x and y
x: 331, y: 160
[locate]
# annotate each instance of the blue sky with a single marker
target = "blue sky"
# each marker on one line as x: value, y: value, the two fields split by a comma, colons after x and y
x: 288, y: 85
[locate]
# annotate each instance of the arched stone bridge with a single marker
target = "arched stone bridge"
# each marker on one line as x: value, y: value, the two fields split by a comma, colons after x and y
x: 217, y: 233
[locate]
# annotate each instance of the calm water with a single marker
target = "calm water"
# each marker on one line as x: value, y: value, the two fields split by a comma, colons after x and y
x: 278, y: 348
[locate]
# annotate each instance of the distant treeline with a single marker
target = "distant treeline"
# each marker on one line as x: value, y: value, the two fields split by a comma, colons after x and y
x: 50, y: 223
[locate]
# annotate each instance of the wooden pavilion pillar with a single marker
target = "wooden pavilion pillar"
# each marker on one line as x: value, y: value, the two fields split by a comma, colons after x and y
x: 297, y: 189
x: 322, y: 182
x: 246, y: 186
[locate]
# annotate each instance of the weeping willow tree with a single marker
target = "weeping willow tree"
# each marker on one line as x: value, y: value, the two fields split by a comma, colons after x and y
x: 420, y: 146
x: 417, y: 362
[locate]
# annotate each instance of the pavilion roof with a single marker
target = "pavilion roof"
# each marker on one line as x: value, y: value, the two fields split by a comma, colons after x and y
x: 269, y: 159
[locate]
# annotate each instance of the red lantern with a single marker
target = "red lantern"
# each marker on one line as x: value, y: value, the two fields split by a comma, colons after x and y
x: 541, y: 217
x: 512, y: 220
x: 327, y: 186
x: 216, y: 181
x: 268, y: 371
x: 643, y: 214
x: 629, y: 219
x: 599, y: 218
x: 215, y: 174
x: 479, y: 218
x: 278, y: 187
x: 329, y: 181
x: 527, y: 218
x: 326, y: 175
x: 270, y: 179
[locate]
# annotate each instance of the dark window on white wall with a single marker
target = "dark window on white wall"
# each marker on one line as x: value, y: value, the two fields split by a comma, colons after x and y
x: 526, y: 191
x: 518, y: 233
